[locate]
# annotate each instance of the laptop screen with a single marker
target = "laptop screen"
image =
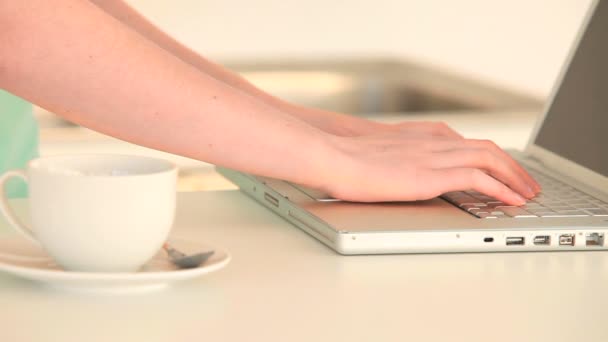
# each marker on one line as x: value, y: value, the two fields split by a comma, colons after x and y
x: 576, y: 126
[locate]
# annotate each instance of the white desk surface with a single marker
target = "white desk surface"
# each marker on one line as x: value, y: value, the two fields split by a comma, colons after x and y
x: 283, y: 285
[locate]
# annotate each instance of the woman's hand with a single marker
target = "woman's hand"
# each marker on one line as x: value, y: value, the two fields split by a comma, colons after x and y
x: 427, y: 128
x: 418, y: 161
x: 370, y: 128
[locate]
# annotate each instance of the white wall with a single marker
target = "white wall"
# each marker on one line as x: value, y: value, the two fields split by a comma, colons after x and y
x: 518, y: 43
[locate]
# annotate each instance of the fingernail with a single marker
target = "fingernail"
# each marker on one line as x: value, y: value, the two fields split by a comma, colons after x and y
x: 531, y: 192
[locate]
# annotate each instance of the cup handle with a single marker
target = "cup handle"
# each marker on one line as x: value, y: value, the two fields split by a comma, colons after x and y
x: 12, y: 219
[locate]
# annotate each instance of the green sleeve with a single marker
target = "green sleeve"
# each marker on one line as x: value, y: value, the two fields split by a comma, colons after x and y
x: 18, y: 139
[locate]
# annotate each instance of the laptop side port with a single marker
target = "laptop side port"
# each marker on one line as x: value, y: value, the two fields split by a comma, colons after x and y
x: 594, y: 239
x: 542, y: 240
x: 271, y: 199
x: 566, y: 240
x: 515, y: 240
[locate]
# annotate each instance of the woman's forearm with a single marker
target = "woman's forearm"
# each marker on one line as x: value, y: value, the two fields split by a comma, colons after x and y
x: 77, y: 61
x: 335, y: 123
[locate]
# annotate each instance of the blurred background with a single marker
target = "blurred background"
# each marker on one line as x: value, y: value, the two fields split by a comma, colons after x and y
x: 484, y: 67
x: 518, y: 43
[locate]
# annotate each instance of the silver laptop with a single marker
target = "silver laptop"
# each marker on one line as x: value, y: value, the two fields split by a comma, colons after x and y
x: 568, y: 155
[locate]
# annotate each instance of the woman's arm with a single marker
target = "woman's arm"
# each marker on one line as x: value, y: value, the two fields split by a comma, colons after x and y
x: 76, y: 60
x: 335, y: 123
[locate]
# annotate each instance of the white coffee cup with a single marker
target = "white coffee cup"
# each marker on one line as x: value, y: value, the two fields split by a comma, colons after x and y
x: 97, y: 213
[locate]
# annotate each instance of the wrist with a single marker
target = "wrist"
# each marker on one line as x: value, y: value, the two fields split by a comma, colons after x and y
x: 334, y: 123
x: 323, y: 152
x: 331, y: 162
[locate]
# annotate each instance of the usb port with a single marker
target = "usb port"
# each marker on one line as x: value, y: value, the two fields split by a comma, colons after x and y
x: 512, y: 241
x: 271, y: 199
x: 566, y: 240
x: 542, y: 240
x: 594, y: 239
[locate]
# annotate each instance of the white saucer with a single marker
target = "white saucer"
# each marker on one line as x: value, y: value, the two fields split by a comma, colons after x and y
x: 24, y: 259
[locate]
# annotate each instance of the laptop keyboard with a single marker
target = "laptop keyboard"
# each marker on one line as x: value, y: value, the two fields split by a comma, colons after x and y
x: 556, y: 200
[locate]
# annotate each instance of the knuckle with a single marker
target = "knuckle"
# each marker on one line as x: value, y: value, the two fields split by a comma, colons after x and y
x: 440, y: 126
x: 486, y: 142
x: 473, y: 143
x: 487, y: 158
x: 491, y: 145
